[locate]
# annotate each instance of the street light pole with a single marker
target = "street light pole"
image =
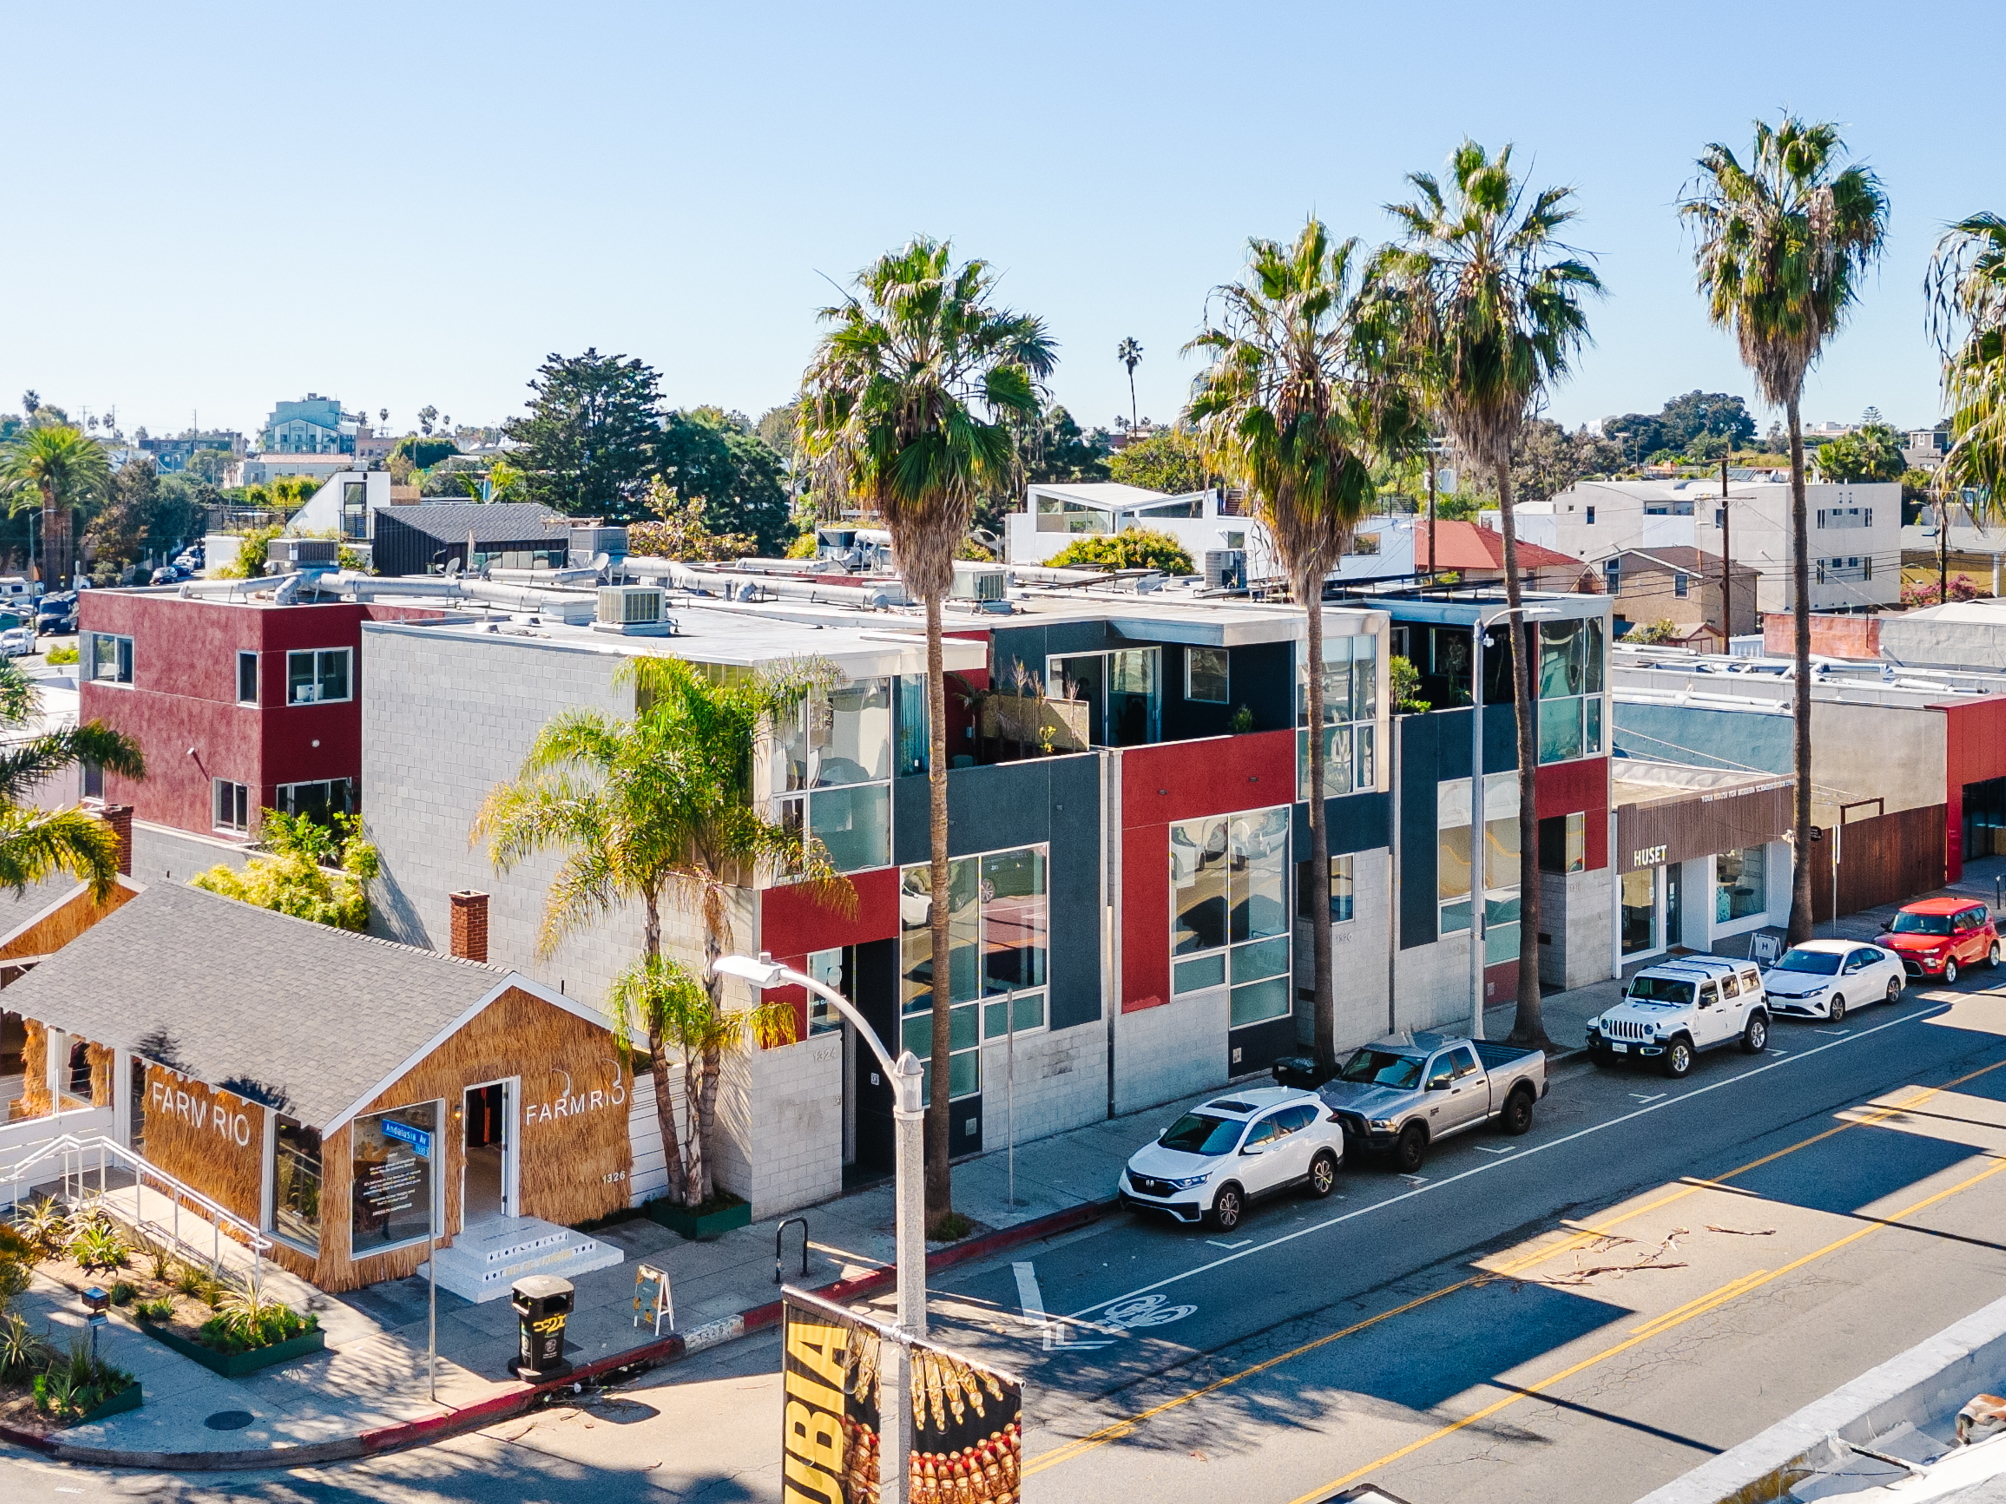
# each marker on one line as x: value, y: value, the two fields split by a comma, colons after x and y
x: 909, y: 1118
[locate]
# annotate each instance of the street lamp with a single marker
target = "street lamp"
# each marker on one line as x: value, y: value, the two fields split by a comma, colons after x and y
x: 909, y: 1116
x: 1479, y: 844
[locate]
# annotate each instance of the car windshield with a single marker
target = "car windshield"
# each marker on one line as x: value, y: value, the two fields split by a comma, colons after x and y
x: 1824, y: 963
x: 1379, y: 1068
x: 1921, y: 924
x: 1197, y: 1133
x: 1646, y: 989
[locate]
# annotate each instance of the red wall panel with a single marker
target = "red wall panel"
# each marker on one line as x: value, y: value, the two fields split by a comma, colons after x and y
x: 1567, y: 788
x: 1974, y: 750
x: 792, y: 924
x: 1182, y: 781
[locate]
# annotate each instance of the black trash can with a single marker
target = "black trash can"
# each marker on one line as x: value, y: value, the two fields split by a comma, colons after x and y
x: 543, y: 1303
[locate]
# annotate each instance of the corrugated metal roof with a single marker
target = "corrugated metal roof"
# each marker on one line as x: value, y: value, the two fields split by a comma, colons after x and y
x: 489, y: 522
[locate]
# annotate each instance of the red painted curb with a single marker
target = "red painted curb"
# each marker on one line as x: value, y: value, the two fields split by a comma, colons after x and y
x: 32, y: 1439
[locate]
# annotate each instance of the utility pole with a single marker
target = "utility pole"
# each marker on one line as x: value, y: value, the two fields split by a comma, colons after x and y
x: 1431, y: 509
x: 1726, y: 567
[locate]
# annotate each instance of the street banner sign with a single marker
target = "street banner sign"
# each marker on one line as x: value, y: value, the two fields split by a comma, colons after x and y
x: 966, y: 1417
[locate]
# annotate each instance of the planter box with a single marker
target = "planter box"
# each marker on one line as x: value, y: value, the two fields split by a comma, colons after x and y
x: 236, y: 1365
x: 128, y: 1398
x: 711, y: 1224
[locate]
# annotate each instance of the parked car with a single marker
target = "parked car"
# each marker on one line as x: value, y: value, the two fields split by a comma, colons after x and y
x: 1222, y: 1155
x: 1404, y: 1093
x: 1824, y: 978
x: 1939, y: 937
x: 1672, y: 1011
x: 16, y: 641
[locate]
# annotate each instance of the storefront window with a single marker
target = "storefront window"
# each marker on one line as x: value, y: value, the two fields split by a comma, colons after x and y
x: 1452, y: 862
x: 1229, y: 910
x: 997, y: 926
x: 1740, y: 888
x: 829, y: 967
x: 296, y: 1179
x: 391, y: 1195
x: 1640, y: 911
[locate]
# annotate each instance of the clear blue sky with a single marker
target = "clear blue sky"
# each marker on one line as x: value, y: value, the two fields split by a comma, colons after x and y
x: 214, y: 206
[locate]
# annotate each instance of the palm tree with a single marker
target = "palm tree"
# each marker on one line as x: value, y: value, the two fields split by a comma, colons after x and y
x: 911, y: 405
x: 64, y: 468
x: 1966, y: 288
x: 662, y: 805
x: 1783, y: 244
x: 1301, y: 399
x: 36, y: 844
x: 1129, y: 353
x: 1497, y: 303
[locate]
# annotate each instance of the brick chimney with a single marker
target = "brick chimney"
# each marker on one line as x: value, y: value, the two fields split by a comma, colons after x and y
x: 119, y: 818
x: 470, y: 923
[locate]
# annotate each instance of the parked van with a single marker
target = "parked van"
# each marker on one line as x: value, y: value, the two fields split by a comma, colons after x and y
x: 1672, y: 1011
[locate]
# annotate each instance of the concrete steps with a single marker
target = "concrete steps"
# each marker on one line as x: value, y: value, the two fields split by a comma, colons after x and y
x: 488, y: 1257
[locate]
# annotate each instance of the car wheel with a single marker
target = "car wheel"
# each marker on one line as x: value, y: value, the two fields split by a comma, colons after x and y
x: 1836, y: 1009
x: 1227, y: 1208
x: 1517, y: 1115
x: 1992, y: 956
x: 1323, y: 1174
x: 1411, y: 1149
x: 1755, y: 1033
x: 1677, y: 1061
x: 1894, y: 989
x: 1950, y: 972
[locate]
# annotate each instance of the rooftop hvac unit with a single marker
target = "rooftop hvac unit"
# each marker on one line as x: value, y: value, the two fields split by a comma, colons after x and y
x: 629, y: 605
x: 305, y: 551
x: 978, y: 582
x: 1225, y: 568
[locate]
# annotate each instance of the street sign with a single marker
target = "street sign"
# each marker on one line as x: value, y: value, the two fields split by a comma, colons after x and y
x: 417, y: 1138
x: 965, y: 1424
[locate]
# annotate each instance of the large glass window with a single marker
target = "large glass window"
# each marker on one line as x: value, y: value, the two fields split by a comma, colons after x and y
x: 317, y: 676
x: 1570, y: 689
x: 392, y: 1193
x: 1500, y: 855
x: 296, y: 1177
x: 832, y: 969
x: 1058, y: 516
x: 1740, y: 887
x: 1350, y: 708
x: 1229, y: 910
x: 831, y: 763
x: 107, y: 659
x: 997, y: 925
x: 319, y: 799
x: 1207, y: 677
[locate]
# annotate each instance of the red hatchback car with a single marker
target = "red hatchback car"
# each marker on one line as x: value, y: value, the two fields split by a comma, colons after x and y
x: 1937, y: 937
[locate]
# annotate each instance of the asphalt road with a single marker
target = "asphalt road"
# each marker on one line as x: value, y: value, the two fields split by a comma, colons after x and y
x: 1653, y: 1274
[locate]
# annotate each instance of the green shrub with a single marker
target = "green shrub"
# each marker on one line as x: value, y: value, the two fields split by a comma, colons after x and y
x: 159, y: 1309
x: 99, y: 1247
x: 46, y: 1227
x: 76, y: 1383
x: 1137, y: 548
x: 246, y: 1318
x: 22, y: 1350
x: 61, y: 653
x: 124, y: 1292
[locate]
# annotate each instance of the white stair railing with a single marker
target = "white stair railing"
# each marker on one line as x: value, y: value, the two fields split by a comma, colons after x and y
x: 70, y: 1158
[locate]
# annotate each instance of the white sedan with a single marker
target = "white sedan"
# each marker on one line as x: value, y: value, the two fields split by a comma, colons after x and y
x: 1824, y: 978
x: 1233, y: 1150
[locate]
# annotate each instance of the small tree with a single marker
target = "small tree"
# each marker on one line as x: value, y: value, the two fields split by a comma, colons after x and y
x: 1135, y: 548
x: 313, y: 871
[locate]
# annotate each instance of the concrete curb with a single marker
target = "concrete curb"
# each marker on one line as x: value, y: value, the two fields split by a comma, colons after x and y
x: 520, y: 1398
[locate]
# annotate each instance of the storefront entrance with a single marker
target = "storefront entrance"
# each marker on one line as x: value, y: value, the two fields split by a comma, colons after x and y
x: 489, y: 1184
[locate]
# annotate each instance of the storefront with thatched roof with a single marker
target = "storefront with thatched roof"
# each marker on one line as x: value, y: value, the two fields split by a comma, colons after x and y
x: 354, y: 1098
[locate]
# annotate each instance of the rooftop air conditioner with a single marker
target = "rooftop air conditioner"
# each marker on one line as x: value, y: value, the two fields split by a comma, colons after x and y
x: 631, y: 610
x: 978, y: 582
x: 1225, y: 568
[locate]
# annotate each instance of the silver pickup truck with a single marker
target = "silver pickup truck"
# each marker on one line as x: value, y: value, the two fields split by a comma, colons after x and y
x: 1404, y: 1093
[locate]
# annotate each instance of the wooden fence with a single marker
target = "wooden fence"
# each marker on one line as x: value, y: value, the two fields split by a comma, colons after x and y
x: 1882, y: 859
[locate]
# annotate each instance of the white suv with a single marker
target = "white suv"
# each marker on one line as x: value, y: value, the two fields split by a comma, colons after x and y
x: 1235, y: 1149
x: 1672, y: 1011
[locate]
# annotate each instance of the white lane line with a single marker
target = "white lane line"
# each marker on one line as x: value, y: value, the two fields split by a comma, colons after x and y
x: 1033, y: 1302
x: 1654, y: 1097
x: 1497, y: 1164
x: 1241, y: 1244
x: 1483, y: 1149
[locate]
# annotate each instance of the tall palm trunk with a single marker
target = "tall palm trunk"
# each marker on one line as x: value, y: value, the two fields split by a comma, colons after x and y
x: 1309, y: 590
x: 56, y: 557
x: 702, y: 1092
x: 1528, y: 1025
x: 658, y: 1055
x: 939, y: 1179
x: 1800, y: 624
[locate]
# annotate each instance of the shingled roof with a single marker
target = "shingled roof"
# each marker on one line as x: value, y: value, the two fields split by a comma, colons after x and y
x: 489, y: 522
x: 312, y: 1020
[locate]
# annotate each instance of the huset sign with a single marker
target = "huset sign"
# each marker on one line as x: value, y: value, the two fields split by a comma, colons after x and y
x: 200, y: 1111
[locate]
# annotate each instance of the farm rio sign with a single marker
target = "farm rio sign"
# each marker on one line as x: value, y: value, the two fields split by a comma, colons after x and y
x: 200, y: 1111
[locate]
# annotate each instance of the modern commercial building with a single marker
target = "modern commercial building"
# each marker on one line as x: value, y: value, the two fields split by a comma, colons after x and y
x: 1855, y: 532
x: 312, y: 425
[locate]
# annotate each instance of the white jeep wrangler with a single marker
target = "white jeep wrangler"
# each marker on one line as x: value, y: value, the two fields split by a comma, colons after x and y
x: 1672, y: 1011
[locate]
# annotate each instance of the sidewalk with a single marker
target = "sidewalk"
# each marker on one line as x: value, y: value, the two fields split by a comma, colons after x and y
x: 369, y: 1393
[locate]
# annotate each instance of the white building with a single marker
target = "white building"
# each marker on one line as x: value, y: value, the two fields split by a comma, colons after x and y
x: 1056, y: 515
x: 1855, y: 531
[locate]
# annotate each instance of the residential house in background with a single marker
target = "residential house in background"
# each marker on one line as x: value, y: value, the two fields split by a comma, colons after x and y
x: 1682, y: 586
x: 172, y: 455
x: 312, y: 425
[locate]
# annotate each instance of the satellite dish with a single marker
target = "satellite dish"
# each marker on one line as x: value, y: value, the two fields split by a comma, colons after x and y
x: 452, y: 567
